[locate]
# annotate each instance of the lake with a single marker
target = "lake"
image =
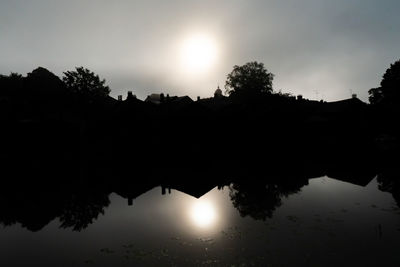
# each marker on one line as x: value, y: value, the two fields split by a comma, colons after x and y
x: 312, y: 222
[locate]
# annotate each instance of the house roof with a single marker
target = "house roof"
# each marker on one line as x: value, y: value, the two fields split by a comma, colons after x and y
x: 344, y: 105
x: 153, y: 98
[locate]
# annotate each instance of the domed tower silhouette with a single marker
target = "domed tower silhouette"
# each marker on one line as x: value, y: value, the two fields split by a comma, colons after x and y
x: 218, y: 93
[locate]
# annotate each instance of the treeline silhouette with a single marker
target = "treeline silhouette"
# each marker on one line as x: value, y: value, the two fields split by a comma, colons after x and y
x: 74, y: 122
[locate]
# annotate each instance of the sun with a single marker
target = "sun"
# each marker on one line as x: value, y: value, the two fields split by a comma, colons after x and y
x: 203, y: 214
x: 198, y: 53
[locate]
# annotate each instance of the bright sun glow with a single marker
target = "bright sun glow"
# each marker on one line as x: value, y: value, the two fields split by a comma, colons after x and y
x: 198, y: 53
x: 203, y: 214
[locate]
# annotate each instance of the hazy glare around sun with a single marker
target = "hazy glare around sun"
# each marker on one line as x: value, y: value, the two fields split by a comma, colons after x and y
x: 203, y: 214
x: 198, y: 53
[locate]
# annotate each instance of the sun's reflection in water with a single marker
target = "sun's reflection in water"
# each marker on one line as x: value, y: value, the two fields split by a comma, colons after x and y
x: 203, y: 214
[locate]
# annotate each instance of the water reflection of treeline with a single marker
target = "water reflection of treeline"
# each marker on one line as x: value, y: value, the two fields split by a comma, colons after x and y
x: 35, y: 200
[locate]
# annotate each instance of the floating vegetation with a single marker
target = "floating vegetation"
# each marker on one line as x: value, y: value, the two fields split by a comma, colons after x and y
x: 127, y: 257
x: 206, y: 240
x: 140, y: 254
x: 386, y: 210
x: 89, y: 262
x: 164, y: 252
x: 106, y: 250
x: 317, y: 228
x: 234, y: 232
x: 184, y: 243
x: 331, y: 234
x: 334, y: 220
x: 292, y: 218
x: 378, y: 230
x: 210, y: 262
x: 181, y: 242
x: 296, y: 232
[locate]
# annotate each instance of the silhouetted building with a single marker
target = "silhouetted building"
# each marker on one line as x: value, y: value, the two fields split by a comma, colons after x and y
x: 346, y: 105
x: 182, y: 100
x: 218, y: 93
x: 154, y: 98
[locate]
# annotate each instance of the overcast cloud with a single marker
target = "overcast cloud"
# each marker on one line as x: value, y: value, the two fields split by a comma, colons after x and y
x: 321, y: 48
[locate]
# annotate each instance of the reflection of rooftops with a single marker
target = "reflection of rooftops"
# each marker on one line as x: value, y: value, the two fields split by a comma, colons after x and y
x: 351, y: 178
x: 132, y: 193
x: 355, y: 180
x: 196, y: 190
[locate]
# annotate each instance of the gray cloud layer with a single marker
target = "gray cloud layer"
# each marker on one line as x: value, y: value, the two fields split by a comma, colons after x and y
x: 312, y: 46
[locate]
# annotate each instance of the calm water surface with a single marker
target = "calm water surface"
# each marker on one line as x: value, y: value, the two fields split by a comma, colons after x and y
x: 325, y: 223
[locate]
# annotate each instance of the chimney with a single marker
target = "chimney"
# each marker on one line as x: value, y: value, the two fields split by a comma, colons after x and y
x: 198, y: 98
x: 299, y: 97
x: 119, y: 97
x: 130, y: 95
x: 354, y: 96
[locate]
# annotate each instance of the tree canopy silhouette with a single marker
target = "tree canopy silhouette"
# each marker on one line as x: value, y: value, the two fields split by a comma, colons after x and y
x: 10, y: 84
x: 260, y: 201
x: 251, y: 79
x: 85, y: 82
x: 388, y: 92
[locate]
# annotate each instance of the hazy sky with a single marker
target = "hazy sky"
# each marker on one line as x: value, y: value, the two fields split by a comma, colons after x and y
x: 323, y: 48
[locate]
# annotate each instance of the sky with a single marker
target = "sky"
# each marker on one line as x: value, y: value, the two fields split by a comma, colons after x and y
x: 322, y: 49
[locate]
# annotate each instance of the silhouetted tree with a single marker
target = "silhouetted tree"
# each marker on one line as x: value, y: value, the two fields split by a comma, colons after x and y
x: 85, y: 82
x: 251, y: 79
x: 388, y: 92
x: 260, y: 201
x: 43, y: 83
x: 82, y: 209
x: 375, y: 95
x: 11, y: 84
x: 388, y: 181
